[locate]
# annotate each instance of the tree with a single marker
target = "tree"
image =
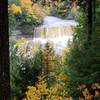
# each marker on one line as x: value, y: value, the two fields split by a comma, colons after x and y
x: 82, y: 62
x: 27, y: 68
x: 88, y: 10
x: 4, y: 53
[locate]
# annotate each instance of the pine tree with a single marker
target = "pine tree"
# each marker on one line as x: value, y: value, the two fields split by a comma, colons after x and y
x: 49, y: 63
x: 83, y: 61
x: 48, y: 58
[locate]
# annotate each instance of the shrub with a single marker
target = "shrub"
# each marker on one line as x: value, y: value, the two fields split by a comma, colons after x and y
x: 41, y: 90
x: 23, y: 71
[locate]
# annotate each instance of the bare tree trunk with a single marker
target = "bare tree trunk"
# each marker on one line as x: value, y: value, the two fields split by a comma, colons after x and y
x: 87, y: 6
x: 4, y: 53
x: 89, y: 20
x: 94, y: 8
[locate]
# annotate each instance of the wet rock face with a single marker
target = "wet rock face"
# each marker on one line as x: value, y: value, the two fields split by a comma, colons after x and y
x: 25, y: 29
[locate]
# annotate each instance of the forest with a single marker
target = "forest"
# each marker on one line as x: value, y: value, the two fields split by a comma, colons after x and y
x: 40, y: 72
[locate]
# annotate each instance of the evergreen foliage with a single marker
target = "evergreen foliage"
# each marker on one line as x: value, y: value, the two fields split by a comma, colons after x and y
x: 83, y: 60
x: 50, y: 63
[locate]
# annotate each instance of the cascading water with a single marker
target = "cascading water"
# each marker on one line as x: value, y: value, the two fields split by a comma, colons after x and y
x: 56, y: 30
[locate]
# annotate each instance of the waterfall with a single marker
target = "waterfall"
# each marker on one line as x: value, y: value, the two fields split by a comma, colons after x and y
x: 54, y: 29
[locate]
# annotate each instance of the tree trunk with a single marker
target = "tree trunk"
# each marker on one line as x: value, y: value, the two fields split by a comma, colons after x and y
x: 89, y: 20
x: 4, y: 53
x: 94, y: 8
